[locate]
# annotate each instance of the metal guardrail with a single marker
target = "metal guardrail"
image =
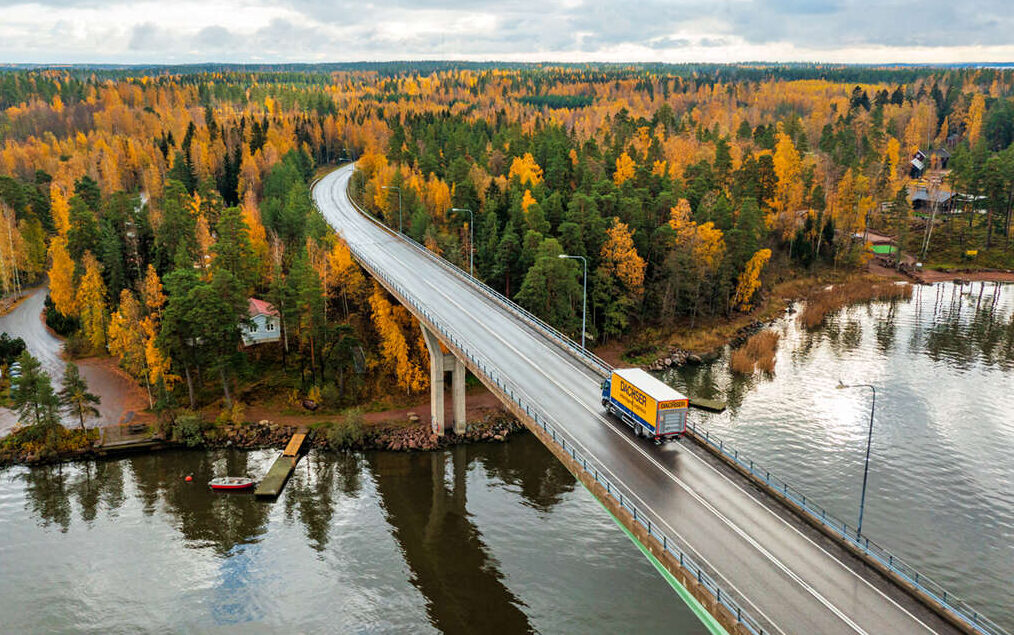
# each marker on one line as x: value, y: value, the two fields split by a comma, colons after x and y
x: 907, y: 573
x: 597, y: 363
x: 620, y: 492
x: 952, y: 603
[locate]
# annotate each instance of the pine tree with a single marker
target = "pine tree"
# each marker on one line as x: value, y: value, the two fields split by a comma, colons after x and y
x: 32, y: 393
x: 507, y: 253
x: 551, y: 288
x: 84, y: 229
x: 232, y: 249
x: 74, y: 396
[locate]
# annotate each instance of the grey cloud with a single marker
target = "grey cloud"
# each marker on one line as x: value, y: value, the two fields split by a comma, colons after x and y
x: 215, y: 37
x: 930, y: 23
x: 344, y: 29
x: 149, y: 37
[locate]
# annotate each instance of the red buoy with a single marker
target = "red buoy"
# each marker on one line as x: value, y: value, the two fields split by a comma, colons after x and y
x: 188, y: 478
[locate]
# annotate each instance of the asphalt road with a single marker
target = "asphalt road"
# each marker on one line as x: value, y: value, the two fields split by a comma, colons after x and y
x: 119, y: 394
x: 784, y: 574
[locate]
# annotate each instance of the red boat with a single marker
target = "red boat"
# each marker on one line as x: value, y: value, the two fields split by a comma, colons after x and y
x: 231, y: 483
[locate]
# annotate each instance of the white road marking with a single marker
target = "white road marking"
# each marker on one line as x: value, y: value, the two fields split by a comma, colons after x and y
x: 660, y: 520
x: 707, y: 505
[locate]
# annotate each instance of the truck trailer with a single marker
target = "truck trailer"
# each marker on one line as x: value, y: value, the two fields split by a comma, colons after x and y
x: 644, y: 403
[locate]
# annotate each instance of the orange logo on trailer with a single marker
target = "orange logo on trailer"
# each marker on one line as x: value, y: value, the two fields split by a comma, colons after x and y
x: 676, y: 403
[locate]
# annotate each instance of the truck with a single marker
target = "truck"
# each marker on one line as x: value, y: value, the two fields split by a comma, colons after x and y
x: 647, y: 405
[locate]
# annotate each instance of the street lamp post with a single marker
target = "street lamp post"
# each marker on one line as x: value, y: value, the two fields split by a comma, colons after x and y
x: 584, y: 304
x: 869, y: 441
x: 471, y: 233
x: 393, y: 187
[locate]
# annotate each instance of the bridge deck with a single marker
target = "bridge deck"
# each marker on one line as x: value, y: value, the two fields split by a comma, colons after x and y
x: 787, y: 577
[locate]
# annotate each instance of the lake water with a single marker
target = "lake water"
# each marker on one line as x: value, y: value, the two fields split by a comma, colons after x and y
x: 500, y: 538
x: 941, y: 483
x: 483, y: 538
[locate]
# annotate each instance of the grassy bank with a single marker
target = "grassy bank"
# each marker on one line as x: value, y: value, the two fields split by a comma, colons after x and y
x: 45, y: 443
x: 708, y: 336
x: 822, y: 302
x: 757, y: 354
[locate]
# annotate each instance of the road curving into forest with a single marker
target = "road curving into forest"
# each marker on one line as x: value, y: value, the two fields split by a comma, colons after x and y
x: 119, y: 393
x: 790, y: 578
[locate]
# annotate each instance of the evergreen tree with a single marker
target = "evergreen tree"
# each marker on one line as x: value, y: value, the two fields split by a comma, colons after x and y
x: 86, y: 188
x: 232, y: 249
x: 74, y: 395
x: 507, y: 254
x: 176, y: 236
x: 83, y: 233
x: 32, y: 393
x: 551, y: 288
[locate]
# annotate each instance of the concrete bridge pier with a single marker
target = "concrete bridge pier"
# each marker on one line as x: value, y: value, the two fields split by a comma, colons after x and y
x: 442, y: 363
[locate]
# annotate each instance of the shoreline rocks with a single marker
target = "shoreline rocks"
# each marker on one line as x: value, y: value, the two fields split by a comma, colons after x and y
x: 677, y: 357
x: 495, y: 427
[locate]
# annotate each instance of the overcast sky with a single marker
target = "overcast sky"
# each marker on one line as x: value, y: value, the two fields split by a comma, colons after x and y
x: 167, y: 31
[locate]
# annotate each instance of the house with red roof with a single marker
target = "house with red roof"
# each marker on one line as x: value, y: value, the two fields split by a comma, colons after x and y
x: 264, y: 325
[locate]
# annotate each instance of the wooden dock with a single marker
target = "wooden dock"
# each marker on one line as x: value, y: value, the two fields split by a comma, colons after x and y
x: 273, y: 482
x: 295, y: 443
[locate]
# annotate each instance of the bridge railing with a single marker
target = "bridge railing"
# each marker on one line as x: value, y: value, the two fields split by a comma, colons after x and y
x: 904, y: 571
x: 593, y: 360
x: 619, y: 491
x: 954, y: 604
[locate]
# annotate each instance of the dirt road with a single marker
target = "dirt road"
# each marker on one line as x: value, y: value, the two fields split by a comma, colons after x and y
x: 118, y: 392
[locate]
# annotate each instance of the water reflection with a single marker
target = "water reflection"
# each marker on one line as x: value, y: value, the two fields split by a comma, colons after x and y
x: 321, y: 485
x: 537, y: 475
x: 461, y: 582
x: 205, y: 517
x: 940, y: 473
x: 971, y: 328
x: 47, y: 496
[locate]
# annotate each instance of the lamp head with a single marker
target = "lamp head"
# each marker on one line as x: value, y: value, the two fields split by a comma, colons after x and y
x: 841, y: 385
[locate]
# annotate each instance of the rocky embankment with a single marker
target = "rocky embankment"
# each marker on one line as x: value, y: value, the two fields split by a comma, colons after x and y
x: 249, y: 436
x: 397, y: 436
x: 495, y: 427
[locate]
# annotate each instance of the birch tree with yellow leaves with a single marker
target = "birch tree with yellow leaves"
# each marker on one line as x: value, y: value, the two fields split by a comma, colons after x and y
x: 91, y: 303
x: 618, y: 284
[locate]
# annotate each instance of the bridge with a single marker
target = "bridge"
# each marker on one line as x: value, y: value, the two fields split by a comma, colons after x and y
x: 713, y: 522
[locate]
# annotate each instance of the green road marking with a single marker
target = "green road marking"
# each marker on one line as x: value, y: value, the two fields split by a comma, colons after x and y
x: 702, y: 614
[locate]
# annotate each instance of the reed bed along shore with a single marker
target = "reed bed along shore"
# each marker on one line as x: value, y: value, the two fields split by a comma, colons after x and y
x: 830, y: 299
x: 757, y: 354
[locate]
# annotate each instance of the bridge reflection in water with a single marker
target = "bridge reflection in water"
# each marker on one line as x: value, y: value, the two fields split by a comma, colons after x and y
x: 450, y: 565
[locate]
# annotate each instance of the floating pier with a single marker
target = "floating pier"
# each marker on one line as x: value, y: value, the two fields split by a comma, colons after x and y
x: 712, y: 405
x: 272, y: 484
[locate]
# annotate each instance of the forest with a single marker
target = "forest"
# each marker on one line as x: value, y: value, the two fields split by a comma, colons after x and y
x: 157, y: 201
